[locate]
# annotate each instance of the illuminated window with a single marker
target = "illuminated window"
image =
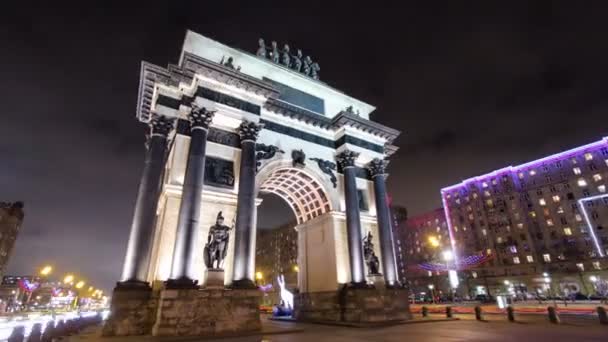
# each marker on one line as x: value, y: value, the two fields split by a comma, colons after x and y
x: 550, y: 222
x: 520, y: 225
x: 580, y: 266
x: 516, y: 260
x: 513, y: 249
x: 430, y: 273
x: 578, y: 217
x: 577, y: 170
x: 474, y: 195
x: 601, y: 188
x: 499, y: 239
x: 490, y: 203
x: 532, y: 172
x: 474, y: 274
x: 560, y: 210
x: 484, y: 232
x: 542, y: 201
x: 596, y: 265
x: 597, y: 177
x: 484, y: 184
x: 567, y: 231
x: 532, y: 214
x: 521, y: 174
x: 486, y: 193
x: 588, y: 156
x: 494, y: 181
x: 547, y: 257
x: 529, y: 258
x: 582, y: 182
x: 556, y: 198
x: 488, y: 251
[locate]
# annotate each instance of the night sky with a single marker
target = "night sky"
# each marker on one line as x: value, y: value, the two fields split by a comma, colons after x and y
x: 472, y: 86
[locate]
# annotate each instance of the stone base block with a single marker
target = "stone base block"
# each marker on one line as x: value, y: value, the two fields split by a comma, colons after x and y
x: 357, y: 305
x: 214, y: 279
x: 133, y: 311
x: 207, y: 312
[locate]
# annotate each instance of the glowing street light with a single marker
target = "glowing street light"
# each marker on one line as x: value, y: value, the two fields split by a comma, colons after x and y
x: 79, y: 284
x: 91, y: 288
x: 258, y: 275
x: 434, y: 241
x: 68, y: 279
x: 46, y: 270
x: 593, y: 279
x: 447, y: 255
x: 296, y: 268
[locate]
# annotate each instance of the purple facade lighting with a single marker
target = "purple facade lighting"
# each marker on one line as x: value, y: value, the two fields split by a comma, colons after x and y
x: 581, y: 204
x: 511, y: 170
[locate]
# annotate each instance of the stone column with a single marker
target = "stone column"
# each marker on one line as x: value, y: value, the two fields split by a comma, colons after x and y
x: 244, y: 236
x: 346, y: 159
x: 182, y: 270
x: 144, y: 217
x: 377, y: 168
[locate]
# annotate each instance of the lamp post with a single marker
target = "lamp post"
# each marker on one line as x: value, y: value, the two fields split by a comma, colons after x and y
x: 432, y: 287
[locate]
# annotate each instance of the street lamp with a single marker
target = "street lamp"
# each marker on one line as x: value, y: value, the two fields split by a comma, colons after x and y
x: 434, y: 241
x: 447, y: 255
x: 46, y: 270
x: 296, y: 268
x: 68, y: 279
x: 79, y: 284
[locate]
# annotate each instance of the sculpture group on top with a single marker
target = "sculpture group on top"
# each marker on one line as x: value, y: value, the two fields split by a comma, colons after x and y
x: 297, y: 62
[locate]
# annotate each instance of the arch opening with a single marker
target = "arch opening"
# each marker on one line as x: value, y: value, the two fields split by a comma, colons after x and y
x: 305, y: 195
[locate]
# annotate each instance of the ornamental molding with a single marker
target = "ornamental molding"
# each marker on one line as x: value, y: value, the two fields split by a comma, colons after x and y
x: 200, y: 117
x: 347, y: 158
x: 264, y: 152
x: 328, y: 168
x: 377, y: 167
x: 161, y: 125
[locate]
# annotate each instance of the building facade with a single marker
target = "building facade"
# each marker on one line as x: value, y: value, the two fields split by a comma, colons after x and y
x: 543, y: 224
x: 11, y: 219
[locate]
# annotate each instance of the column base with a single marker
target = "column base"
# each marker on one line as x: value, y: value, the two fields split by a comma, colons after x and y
x: 133, y: 310
x: 207, y: 313
x: 359, y: 285
x: 181, y: 283
x: 243, y: 284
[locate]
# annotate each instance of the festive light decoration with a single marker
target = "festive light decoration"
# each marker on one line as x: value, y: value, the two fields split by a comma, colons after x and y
x: 462, y: 264
x: 265, y: 288
x: 25, y: 285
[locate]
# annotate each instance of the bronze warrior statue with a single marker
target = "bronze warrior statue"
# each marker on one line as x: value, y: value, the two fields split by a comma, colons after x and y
x: 373, y: 264
x: 261, y: 49
x: 217, y: 243
x: 297, y: 61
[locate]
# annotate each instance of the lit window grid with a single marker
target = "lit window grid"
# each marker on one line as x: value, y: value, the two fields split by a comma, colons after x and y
x: 588, y: 221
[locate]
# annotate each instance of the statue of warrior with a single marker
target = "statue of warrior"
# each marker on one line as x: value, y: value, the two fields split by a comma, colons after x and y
x: 297, y: 61
x: 275, y: 52
x: 307, y: 65
x: 285, y: 58
x: 261, y: 49
x: 373, y: 264
x: 314, y: 70
x: 217, y: 243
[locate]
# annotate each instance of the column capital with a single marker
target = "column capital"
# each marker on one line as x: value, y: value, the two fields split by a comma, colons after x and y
x: 249, y: 130
x: 161, y: 125
x: 200, y: 117
x: 347, y: 158
x: 377, y: 167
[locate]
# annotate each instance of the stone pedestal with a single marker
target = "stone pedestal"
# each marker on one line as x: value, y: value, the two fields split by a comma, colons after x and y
x: 133, y: 312
x: 376, y: 279
x: 214, y: 278
x: 207, y: 312
x: 354, y: 305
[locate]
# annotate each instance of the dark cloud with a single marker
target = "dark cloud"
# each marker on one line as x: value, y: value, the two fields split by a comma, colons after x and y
x: 474, y: 87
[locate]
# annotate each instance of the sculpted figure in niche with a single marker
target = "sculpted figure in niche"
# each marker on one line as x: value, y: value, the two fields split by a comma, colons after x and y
x: 217, y: 244
x: 373, y: 264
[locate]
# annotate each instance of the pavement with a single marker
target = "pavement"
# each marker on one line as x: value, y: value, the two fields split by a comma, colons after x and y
x: 466, y: 329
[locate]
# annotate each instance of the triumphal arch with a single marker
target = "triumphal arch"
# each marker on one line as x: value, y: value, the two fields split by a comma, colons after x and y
x: 225, y: 126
